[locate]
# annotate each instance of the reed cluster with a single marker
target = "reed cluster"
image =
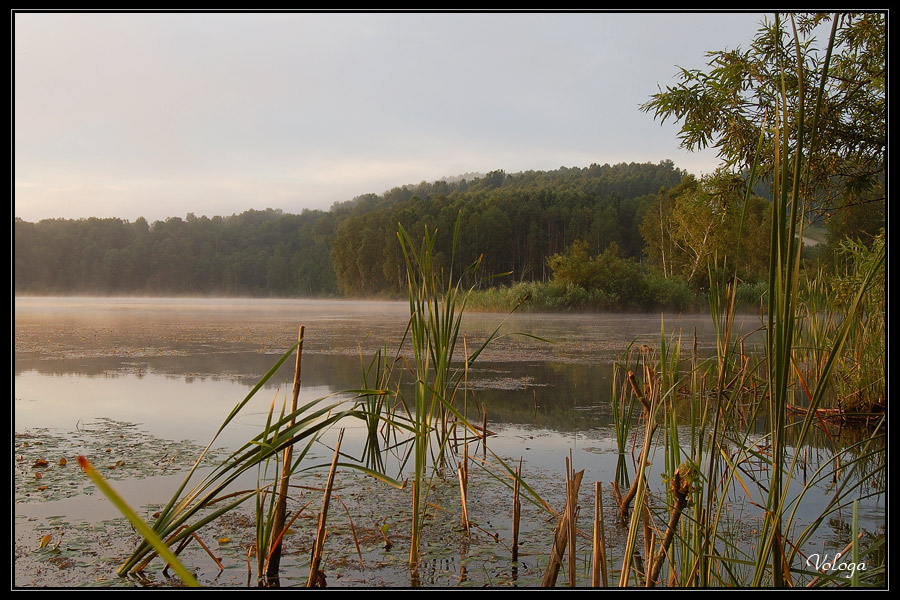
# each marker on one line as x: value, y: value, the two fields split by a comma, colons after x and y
x: 823, y: 363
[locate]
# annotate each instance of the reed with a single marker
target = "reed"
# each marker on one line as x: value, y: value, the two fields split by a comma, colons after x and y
x: 152, y: 539
x: 380, y: 376
x: 191, y: 508
x: 437, y: 301
x: 734, y: 460
x: 784, y: 312
x: 280, y: 508
x: 434, y: 329
x: 315, y: 575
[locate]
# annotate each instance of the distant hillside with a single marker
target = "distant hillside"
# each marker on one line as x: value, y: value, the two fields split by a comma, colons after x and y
x: 515, y: 220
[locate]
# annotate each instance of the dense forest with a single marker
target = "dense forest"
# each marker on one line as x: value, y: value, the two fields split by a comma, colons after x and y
x: 610, y: 237
x: 255, y: 253
x: 516, y: 221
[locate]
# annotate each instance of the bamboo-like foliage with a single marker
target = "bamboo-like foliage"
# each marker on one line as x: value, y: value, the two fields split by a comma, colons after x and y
x: 728, y: 393
x: 722, y: 440
x: 783, y: 314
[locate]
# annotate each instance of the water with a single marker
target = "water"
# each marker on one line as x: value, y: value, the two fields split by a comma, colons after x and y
x: 176, y: 367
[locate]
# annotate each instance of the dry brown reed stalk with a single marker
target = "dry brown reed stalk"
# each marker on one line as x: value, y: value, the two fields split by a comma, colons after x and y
x: 595, y: 546
x: 362, y: 565
x: 281, y: 534
x: 517, y: 513
x: 561, y: 538
x: 208, y: 551
x: 178, y: 551
x: 618, y: 494
x: 315, y: 576
x: 484, y: 429
x: 681, y: 487
x: 599, y: 574
x: 638, y: 567
x: 571, y: 502
x: 281, y: 505
x: 648, y: 533
x: 625, y: 501
x: 181, y: 547
x: 460, y: 472
x: 572, y: 508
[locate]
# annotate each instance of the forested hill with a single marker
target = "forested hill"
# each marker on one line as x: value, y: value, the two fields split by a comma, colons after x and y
x: 515, y: 220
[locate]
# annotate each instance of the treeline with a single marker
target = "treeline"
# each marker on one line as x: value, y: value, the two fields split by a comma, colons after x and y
x: 516, y: 221
x: 256, y: 253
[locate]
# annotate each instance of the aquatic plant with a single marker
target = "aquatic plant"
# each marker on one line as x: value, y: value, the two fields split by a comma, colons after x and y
x: 436, y: 304
x: 784, y: 312
x: 729, y: 393
x: 814, y: 336
x: 150, y: 536
x: 211, y: 497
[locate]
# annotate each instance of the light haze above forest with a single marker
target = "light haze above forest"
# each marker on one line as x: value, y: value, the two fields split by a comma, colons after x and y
x: 156, y: 115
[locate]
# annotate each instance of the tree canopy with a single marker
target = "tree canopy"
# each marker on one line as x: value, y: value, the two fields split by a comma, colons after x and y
x: 515, y: 220
x: 843, y: 55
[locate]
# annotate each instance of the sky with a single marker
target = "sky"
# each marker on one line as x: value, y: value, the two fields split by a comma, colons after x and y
x: 157, y: 115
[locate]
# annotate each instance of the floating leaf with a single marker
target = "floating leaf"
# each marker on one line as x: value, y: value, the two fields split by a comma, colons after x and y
x: 62, y: 462
x: 222, y: 540
x: 37, y: 475
x: 40, y: 463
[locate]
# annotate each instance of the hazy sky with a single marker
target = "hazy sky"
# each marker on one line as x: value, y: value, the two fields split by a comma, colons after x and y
x: 158, y: 115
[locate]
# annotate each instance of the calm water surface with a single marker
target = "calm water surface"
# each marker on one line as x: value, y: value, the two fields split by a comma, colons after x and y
x: 176, y: 367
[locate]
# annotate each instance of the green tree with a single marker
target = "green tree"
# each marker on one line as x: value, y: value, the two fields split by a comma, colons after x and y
x: 704, y: 221
x: 725, y: 105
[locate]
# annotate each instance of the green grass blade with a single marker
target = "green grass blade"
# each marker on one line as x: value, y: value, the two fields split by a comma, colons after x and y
x: 145, y: 530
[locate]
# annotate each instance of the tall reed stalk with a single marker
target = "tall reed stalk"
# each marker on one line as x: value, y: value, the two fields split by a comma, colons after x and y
x: 280, y: 508
x: 433, y: 328
x: 785, y: 310
x: 732, y: 462
x: 437, y: 300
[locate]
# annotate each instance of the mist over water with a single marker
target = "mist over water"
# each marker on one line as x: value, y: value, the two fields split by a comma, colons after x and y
x: 176, y: 367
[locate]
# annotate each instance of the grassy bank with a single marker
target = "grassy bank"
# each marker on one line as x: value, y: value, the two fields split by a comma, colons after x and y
x: 656, y: 293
